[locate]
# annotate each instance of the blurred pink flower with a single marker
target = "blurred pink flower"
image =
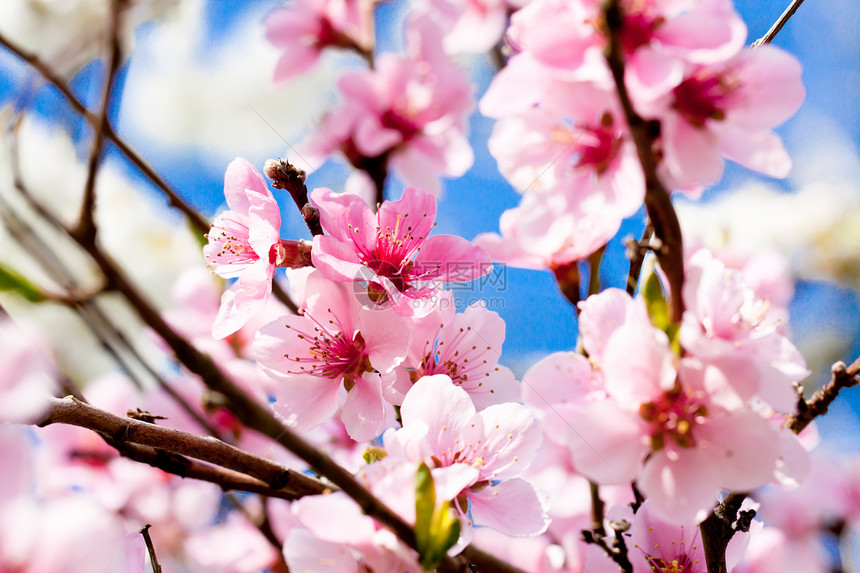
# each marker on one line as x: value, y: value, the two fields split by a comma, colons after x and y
x: 303, y: 29
x: 546, y: 232
x: 410, y: 111
x: 28, y: 376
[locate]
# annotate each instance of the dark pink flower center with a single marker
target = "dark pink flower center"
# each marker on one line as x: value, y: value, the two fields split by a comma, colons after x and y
x: 394, y: 252
x: 392, y: 119
x: 594, y: 146
x: 330, y: 354
x: 673, y: 417
x: 703, y: 97
x: 639, y: 26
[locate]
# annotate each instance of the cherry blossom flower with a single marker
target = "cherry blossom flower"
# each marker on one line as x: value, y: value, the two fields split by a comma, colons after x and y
x: 466, y: 347
x: 728, y: 109
x: 546, y: 232
x: 409, y: 111
x: 726, y: 326
x: 658, y: 39
x: 244, y: 244
x: 471, y: 26
x: 336, y: 344
x: 655, y: 545
x: 442, y: 429
x: 336, y: 530
x: 306, y: 27
x: 660, y: 427
x: 391, y: 250
x: 574, y: 142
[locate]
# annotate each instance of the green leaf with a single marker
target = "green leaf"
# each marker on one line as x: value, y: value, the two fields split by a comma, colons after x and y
x: 659, y: 311
x: 12, y: 281
x: 437, y: 529
x: 655, y: 300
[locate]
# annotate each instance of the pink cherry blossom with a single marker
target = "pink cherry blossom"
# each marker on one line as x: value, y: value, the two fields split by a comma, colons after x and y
x: 442, y: 428
x: 337, y: 532
x: 658, y: 38
x: 244, y: 244
x: 728, y: 109
x: 556, y: 388
x: 71, y: 534
x: 574, y: 142
x: 727, y: 327
x: 335, y: 345
x: 471, y: 26
x: 391, y: 250
x: 545, y: 231
x: 409, y: 111
x: 660, y: 427
x: 655, y: 545
x: 305, y: 28
x: 466, y: 347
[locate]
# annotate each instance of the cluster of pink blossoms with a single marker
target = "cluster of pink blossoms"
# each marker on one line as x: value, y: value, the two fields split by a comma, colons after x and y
x: 627, y: 443
x: 562, y: 139
x: 683, y: 417
x: 377, y: 330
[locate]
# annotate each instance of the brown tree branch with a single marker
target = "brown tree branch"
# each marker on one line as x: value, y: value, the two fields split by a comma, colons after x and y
x: 198, y: 221
x: 117, y: 429
x: 818, y: 404
x: 62, y: 86
x: 86, y: 225
x: 667, y: 229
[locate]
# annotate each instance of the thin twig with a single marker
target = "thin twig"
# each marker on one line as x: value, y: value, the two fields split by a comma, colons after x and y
x: 63, y: 87
x: 636, y: 251
x: 88, y: 309
x: 777, y: 26
x: 86, y: 224
x: 198, y: 221
x: 818, y: 404
x: 597, y: 509
x: 657, y: 201
x: 153, y: 560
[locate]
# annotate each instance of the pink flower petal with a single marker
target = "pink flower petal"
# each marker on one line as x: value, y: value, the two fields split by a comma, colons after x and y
x: 240, y: 178
x: 512, y: 507
x: 451, y: 259
x: 364, y: 411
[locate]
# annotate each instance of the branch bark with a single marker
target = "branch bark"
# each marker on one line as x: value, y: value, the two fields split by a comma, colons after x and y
x: 777, y: 26
x: 120, y: 430
x: 658, y: 205
x: 86, y: 224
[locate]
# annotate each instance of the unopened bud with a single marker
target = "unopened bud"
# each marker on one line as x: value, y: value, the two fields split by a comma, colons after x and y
x: 284, y: 175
